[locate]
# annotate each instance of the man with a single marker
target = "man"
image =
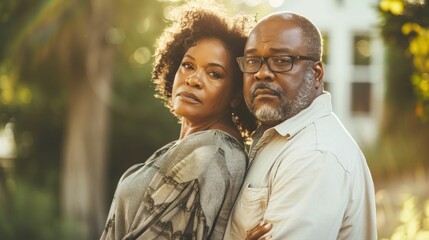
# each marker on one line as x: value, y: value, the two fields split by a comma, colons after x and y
x: 308, y: 178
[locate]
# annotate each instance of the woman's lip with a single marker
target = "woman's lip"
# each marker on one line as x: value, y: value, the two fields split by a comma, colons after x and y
x: 189, y: 97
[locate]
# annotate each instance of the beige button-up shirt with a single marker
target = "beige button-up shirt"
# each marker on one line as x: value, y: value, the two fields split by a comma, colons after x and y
x: 309, y: 179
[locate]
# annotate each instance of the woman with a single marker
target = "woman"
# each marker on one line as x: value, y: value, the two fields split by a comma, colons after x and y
x: 186, y: 189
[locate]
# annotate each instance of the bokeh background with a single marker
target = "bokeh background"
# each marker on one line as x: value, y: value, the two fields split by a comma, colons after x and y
x: 77, y: 107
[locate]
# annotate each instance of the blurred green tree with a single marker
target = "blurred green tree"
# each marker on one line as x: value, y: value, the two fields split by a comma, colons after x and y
x: 405, y: 130
x: 74, y: 78
x: 406, y: 27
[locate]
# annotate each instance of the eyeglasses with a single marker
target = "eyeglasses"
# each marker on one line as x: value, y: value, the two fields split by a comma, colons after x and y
x: 277, y: 64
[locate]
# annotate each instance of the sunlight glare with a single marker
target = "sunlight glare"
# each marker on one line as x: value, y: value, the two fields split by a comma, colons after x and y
x: 276, y: 3
x: 236, y: 2
x: 7, y: 142
x: 144, y: 25
x: 142, y: 55
x: 364, y: 48
x: 115, y: 36
x: 24, y: 95
x: 169, y: 13
x: 252, y: 3
x: 6, y: 87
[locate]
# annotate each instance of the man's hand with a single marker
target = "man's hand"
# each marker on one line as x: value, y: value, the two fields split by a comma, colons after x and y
x: 257, y: 232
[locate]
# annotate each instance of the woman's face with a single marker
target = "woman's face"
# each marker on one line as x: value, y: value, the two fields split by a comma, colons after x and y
x: 203, y: 86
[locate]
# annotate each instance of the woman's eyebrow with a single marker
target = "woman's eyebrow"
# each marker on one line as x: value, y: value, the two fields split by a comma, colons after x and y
x: 216, y: 65
x: 189, y: 56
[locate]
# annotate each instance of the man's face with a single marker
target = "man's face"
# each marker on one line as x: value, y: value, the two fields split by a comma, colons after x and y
x: 272, y: 96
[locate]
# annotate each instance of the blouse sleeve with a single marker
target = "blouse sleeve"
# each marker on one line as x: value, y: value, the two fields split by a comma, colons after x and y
x: 184, y: 200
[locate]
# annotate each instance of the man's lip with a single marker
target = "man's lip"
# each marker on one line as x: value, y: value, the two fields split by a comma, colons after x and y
x: 264, y: 91
x: 189, y: 96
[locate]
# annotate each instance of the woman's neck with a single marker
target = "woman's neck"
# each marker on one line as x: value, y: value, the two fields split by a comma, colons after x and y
x: 225, y: 124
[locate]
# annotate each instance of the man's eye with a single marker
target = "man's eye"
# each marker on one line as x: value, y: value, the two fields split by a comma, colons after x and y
x: 253, y: 60
x: 282, y: 60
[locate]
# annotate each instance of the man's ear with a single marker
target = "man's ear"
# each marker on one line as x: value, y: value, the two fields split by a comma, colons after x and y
x: 319, y: 71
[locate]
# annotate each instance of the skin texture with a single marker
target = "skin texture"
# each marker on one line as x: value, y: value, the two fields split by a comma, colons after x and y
x: 203, y: 87
x: 258, y: 231
x: 275, y: 97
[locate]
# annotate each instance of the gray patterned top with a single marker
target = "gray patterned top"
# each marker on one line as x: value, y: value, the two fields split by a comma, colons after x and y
x: 185, y: 190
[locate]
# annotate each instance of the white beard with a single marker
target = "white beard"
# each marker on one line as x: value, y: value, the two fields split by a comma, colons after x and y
x: 268, y: 113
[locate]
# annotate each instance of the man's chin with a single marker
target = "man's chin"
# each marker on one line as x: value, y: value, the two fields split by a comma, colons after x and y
x: 269, y: 124
x: 267, y: 113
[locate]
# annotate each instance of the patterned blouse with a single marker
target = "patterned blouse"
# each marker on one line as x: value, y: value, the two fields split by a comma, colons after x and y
x: 185, y: 190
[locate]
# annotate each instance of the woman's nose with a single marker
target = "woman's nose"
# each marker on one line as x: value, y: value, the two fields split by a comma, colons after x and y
x: 195, y: 80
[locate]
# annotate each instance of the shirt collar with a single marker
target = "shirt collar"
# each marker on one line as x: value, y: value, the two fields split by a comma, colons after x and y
x: 321, y: 106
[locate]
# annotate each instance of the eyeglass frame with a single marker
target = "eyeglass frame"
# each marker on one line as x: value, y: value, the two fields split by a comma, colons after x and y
x: 265, y: 60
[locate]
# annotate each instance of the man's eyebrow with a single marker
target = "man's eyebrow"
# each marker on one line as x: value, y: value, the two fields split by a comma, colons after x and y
x: 251, y: 50
x: 282, y: 50
x: 273, y: 50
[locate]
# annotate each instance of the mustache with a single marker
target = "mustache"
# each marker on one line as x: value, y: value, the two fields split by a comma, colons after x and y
x: 276, y: 91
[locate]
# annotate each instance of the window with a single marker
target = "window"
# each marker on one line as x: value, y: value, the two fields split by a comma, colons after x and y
x: 361, y: 97
x: 362, y: 50
x: 361, y: 84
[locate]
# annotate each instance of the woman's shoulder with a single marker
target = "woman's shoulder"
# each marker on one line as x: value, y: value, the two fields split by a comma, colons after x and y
x: 158, y: 154
x: 214, y: 137
x: 209, y: 149
x: 213, y: 144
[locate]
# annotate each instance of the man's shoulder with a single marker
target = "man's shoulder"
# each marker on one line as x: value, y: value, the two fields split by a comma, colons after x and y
x: 326, y: 137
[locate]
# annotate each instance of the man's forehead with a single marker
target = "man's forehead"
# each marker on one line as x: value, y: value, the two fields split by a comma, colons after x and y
x: 275, y: 34
x: 283, y: 39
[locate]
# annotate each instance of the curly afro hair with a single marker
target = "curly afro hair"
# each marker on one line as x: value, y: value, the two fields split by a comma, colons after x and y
x: 192, y: 22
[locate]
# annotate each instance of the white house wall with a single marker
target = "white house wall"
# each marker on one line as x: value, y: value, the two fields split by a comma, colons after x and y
x: 341, y: 20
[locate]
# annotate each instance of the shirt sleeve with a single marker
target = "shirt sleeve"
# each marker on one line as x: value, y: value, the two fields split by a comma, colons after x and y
x: 308, y: 197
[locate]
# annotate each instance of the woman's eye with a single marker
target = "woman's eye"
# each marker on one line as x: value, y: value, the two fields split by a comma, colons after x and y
x: 187, y: 66
x: 215, y: 75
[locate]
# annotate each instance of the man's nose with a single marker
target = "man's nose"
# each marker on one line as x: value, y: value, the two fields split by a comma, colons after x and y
x: 264, y: 73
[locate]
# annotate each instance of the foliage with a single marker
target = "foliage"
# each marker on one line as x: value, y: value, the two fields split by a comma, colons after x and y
x: 403, y: 135
x: 406, y: 23
x: 30, y: 212
x: 399, y: 156
x: 34, y: 94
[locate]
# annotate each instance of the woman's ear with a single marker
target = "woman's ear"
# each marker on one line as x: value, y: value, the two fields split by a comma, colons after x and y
x: 235, y: 102
x: 236, y: 99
